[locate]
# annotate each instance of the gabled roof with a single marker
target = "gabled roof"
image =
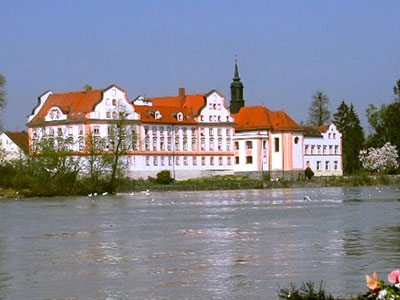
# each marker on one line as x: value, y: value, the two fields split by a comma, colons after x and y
x: 314, y: 131
x: 20, y: 138
x: 259, y: 117
x: 168, y: 114
x: 252, y: 117
x: 74, y: 104
x: 191, y: 101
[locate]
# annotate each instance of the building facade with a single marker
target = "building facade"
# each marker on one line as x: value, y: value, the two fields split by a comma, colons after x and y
x: 191, y: 135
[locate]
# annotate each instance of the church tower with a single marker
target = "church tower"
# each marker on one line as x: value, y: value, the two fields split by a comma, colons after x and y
x: 237, y: 100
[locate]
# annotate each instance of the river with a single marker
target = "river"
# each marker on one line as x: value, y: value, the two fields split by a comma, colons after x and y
x: 197, y: 245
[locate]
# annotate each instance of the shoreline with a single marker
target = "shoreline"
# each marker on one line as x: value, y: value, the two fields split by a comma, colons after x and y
x: 232, y: 183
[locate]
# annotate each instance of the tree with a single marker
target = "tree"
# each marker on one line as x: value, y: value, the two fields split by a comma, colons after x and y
x: 380, y: 160
x: 2, y: 95
x: 396, y: 90
x: 319, y: 109
x: 348, y: 123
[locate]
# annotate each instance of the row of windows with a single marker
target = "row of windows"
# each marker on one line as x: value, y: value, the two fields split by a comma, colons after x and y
x: 328, y: 165
x: 163, y: 144
x: 186, y: 160
x: 318, y: 149
x: 214, y: 118
x: 249, y: 145
x: 161, y: 131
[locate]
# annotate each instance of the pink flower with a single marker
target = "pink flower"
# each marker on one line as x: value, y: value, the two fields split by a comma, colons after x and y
x: 394, y: 276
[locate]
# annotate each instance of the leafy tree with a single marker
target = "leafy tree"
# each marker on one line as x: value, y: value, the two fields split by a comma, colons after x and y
x: 348, y: 123
x: 2, y: 95
x: 319, y: 109
x: 396, y: 90
x: 385, y: 122
x: 380, y: 160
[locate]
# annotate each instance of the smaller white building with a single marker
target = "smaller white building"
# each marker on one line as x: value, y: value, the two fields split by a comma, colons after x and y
x: 13, y: 145
x: 323, y: 150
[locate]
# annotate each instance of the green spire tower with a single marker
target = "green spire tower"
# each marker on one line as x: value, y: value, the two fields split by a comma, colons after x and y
x: 237, y: 100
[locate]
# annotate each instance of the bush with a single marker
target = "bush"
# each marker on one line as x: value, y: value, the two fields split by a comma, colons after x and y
x: 308, y: 173
x: 164, y: 177
x: 305, y: 292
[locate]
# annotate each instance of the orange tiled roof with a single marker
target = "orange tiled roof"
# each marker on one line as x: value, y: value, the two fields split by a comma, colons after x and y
x: 259, y: 117
x: 192, y: 101
x: 74, y: 104
x: 168, y: 114
x: 314, y: 131
x: 20, y: 138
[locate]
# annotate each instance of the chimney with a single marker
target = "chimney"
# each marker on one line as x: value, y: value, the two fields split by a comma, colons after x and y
x: 86, y: 88
x: 181, y: 95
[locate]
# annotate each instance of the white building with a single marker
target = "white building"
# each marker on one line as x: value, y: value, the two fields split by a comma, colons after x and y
x: 323, y: 150
x: 13, y: 145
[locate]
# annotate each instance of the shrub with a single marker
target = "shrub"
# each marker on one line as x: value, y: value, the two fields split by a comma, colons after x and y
x: 164, y: 177
x: 308, y: 173
x: 305, y: 292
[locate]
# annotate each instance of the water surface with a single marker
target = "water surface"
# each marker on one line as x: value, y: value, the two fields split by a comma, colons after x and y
x: 197, y: 245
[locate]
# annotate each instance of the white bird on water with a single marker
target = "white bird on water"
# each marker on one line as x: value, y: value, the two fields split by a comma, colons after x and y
x: 307, y: 198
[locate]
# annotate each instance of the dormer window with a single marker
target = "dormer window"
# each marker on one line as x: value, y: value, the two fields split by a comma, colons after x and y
x: 179, y: 116
x: 157, y: 115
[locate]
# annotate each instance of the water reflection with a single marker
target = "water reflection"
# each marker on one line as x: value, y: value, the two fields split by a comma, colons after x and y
x: 196, y: 245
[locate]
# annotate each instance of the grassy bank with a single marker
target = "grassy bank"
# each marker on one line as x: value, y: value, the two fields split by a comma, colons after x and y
x: 85, y: 186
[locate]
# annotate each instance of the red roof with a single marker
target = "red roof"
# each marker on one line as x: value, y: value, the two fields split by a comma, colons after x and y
x: 168, y: 114
x: 259, y: 117
x: 192, y: 101
x: 74, y: 104
x: 20, y: 138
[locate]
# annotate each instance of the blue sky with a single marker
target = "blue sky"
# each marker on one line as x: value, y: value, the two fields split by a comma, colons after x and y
x: 286, y: 50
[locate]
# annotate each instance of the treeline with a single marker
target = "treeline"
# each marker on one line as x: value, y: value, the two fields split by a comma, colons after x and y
x: 376, y: 152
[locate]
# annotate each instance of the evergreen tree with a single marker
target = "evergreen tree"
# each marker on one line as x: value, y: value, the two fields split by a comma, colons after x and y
x: 396, y: 90
x: 348, y: 123
x: 319, y: 109
x: 2, y: 95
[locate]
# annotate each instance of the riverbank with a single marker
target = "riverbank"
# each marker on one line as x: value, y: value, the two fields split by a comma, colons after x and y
x: 230, y: 183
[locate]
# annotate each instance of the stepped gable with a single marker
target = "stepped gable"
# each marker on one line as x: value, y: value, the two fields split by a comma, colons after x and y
x: 259, y: 117
x: 20, y: 138
x: 74, y: 104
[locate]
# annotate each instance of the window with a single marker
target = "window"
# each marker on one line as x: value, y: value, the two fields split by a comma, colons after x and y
x: 162, y: 144
x: 115, y: 115
x: 220, y: 162
x: 51, y: 131
x: 154, y: 129
x: 210, y: 118
x: 210, y: 131
x: 170, y: 160
x: 336, y: 149
x: 296, y: 140
x: 185, y: 144
x: 210, y: 106
x: 162, y: 160
x: 69, y: 131
x: 308, y: 163
x: 177, y: 161
x: 265, y: 144
x: 203, y: 161
x: 194, y: 144
x: 312, y: 149
x: 334, y: 136
x: 201, y: 131
x: 212, y: 160
x: 169, y: 144
x: 306, y: 149
x: 203, y: 144
x: 114, y: 102
x: 96, y: 130
x: 147, y: 160
x: 108, y: 115
x: 59, y: 132
x: 249, y: 145
x: 211, y: 144
x: 329, y: 135
x: 229, y: 161
x: 249, y: 159
x: 219, y: 106
x: 155, y: 160
x: 194, y: 160
x: 169, y: 131
x: 335, y: 165
x: 214, y: 106
x: 177, y: 143
x: 228, y: 132
x: 228, y: 144
x: 319, y: 149
x: 324, y: 150
x: 193, y: 129
x: 219, y: 131
x: 236, y: 145
x: 219, y: 144
x: 185, y: 161
x: 318, y: 165
x: 146, y: 130
x: 161, y: 130
x: 276, y: 144
x: 154, y: 144
x: 81, y: 144
x: 327, y: 165
x: 184, y: 131
x: 330, y: 149
x: 201, y: 118
x: 236, y: 160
